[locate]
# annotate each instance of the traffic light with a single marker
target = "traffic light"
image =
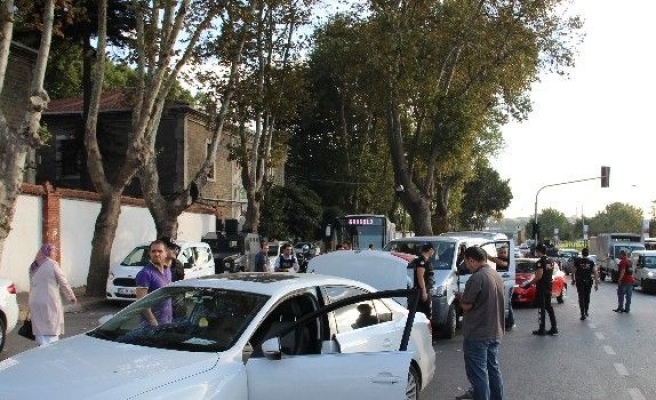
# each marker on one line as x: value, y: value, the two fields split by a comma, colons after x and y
x: 605, y: 177
x: 536, y: 230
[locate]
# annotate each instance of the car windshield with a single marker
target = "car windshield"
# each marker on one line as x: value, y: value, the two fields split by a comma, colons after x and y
x: 444, y: 251
x: 627, y: 249
x: 526, y: 267
x: 649, y: 262
x: 137, y: 257
x: 187, y: 319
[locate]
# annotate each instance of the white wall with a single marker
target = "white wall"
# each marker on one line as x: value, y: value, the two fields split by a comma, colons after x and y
x: 78, y: 218
x: 23, y: 241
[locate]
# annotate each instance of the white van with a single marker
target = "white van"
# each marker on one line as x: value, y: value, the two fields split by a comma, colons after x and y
x: 446, y: 310
x: 644, y: 269
x: 121, y: 284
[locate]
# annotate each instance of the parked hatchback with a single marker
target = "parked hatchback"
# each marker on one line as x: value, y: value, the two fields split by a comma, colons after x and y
x: 121, y: 284
x: 525, y: 271
x: 8, y: 309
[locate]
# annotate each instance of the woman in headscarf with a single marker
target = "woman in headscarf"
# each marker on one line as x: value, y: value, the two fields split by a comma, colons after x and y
x: 46, y: 280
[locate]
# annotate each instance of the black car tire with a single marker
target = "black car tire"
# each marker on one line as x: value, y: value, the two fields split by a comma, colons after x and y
x: 413, y: 386
x: 563, y: 295
x: 3, y: 333
x: 448, y: 331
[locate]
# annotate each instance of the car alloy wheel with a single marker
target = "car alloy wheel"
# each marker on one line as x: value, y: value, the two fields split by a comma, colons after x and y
x: 412, y: 389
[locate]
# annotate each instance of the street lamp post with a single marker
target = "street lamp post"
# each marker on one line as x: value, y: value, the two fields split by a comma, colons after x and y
x: 535, y: 220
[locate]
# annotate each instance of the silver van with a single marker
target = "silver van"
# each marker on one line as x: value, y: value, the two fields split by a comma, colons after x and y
x: 644, y: 269
x: 449, y: 280
x: 121, y: 283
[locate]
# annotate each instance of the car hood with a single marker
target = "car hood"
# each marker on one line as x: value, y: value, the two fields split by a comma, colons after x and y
x: 126, y: 271
x: 83, y: 367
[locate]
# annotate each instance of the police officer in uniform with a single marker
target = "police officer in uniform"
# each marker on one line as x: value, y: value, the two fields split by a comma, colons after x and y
x: 542, y: 279
x: 423, y: 279
x: 584, y: 273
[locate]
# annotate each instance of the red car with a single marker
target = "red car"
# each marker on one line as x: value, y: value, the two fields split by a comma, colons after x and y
x: 525, y: 271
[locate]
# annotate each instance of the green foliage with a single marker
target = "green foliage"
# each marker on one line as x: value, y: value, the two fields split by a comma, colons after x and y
x: 616, y: 217
x: 291, y: 212
x: 550, y: 219
x: 485, y: 196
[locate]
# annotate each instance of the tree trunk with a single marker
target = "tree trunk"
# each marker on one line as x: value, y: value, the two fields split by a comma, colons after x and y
x: 103, y: 237
x: 252, y: 214
x: 11, y: 177
x: 420, y: 212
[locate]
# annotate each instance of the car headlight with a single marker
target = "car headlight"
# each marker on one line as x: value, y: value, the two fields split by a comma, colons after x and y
x: 111, y: 276
x: 650, y: 274
x: 227, y: 264
x: 439, y: 291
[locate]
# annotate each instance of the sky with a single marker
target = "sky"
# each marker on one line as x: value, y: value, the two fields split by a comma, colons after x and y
x: 601, y: 115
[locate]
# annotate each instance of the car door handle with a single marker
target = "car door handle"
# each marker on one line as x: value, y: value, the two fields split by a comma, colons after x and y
x: 386, y: 377
x: 505, y: 275
x: 387, y: 343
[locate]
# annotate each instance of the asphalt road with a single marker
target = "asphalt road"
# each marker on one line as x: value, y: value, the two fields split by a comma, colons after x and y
x: 609, y: 356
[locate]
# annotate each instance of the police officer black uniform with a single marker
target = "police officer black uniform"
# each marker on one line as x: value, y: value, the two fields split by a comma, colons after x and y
x: 543, y: 274
x: 584, y: 273
x: 423, y: 279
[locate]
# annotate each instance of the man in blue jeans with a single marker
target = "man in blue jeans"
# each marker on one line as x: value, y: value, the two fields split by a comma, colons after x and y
x: 483, y: 326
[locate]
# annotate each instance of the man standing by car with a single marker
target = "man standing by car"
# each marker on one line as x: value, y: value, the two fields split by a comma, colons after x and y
x: 262, y: 258
x: 543, y: 274
x: 287, y: 261
x: 482, y: 302
x: 423, y: 279
x: 584, y: 272
x: 153, y: 276
x: 624, y: 284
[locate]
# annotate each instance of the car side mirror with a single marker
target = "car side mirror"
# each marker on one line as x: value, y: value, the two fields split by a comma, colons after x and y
x: 271, y: 348
x: 188, y: 265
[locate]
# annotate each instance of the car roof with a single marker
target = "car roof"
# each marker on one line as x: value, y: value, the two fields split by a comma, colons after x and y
x: 271, y: 284
x: 645, y: 252
x: 525, y: 259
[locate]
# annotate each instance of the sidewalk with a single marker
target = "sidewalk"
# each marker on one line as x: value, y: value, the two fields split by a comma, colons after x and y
x: 82, y: 301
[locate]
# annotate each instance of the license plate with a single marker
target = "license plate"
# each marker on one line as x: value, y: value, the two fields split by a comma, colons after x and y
x: 126, y: 291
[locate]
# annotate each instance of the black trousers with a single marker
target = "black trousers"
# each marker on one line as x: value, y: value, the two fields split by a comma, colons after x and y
x: 583, y: 288
x: 544, y: 305
x: 426, y: 307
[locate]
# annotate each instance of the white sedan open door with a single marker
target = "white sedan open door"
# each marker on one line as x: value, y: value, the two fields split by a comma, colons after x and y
x: 375, y: 375
x: 362, y: 376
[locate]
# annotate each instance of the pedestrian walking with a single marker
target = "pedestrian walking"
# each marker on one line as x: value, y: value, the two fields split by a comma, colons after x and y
x: 423, y: 279
x: 47, y: 280
x: 262, y: 258
x: 624, y: 284
x: 544, y: 267
x: 483, y: 326
x: 585, y: 272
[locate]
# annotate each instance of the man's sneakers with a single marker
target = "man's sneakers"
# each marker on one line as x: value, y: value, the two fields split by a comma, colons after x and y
x: 582, y: 317
x: 540, y: 332
x: 552, y: 332
x: 619, y: 310
x: 468, y: 395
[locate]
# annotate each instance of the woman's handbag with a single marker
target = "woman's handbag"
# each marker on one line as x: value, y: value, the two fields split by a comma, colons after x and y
x: 26, y: 329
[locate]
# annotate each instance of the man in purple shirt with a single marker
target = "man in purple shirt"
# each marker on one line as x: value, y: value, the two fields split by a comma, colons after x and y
x: 153, y: 276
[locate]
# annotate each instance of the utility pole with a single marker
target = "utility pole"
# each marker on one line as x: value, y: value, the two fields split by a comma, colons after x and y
x: 605, y: 176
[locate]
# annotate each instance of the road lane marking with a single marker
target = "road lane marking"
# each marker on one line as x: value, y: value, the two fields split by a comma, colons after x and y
x: 621, y: 369
x: 636, y: 394
x: 609, y: 350
x: 599, y: 336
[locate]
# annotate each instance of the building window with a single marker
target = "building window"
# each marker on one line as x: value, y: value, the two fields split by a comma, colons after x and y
x: 68, y: 157
x: 211, y: 174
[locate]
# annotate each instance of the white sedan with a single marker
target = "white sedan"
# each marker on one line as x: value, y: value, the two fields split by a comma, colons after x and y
x: 249, y: 336
x: 8, y: 309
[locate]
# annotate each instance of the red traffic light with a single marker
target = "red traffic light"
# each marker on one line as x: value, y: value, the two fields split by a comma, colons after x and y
x: 605, y: 177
